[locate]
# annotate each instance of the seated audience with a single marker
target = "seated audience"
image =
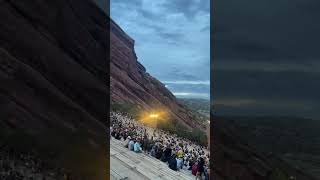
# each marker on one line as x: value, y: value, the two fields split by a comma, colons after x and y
x: 179, y: 153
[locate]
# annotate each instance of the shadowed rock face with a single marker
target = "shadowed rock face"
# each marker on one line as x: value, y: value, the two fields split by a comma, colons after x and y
x: 130, y: 83
x: 53, y: 59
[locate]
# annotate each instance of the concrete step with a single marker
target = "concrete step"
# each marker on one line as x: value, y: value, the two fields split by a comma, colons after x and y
x: 120, y: 170
x: 140, y: 157
x: 139, y: 165
x: 148, y: 164
x: 142, y: 164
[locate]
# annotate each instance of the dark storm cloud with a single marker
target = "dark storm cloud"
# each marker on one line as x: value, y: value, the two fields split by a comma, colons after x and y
x: 273, y: 30
x: 267, y: 56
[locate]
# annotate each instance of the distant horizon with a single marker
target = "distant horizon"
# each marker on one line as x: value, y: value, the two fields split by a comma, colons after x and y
x: 186, y: 89
x: 191, y: 96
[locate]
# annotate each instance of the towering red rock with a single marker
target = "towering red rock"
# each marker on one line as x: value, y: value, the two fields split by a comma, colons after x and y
x: 53, y: 88
x: 53, y: 58
x: 130, y: 82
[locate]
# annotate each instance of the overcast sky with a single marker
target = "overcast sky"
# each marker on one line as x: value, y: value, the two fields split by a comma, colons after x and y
x: 171, y: 41
x: 268, y: 58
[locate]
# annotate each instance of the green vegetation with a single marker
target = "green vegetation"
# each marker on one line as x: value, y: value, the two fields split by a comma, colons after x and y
x: 129, y: 108
x: 198, y: 105
x: 200, y: 108
x: 181, y: 130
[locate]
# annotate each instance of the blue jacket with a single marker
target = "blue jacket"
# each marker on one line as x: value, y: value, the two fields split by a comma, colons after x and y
x: 137, y: 147
x: 131, y: 144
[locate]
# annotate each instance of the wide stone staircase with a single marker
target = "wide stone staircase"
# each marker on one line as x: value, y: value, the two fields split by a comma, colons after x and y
x: 126, y: 164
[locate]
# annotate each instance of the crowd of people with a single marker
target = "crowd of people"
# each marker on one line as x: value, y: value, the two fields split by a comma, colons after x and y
x: 27, y: 166
x: 179, y: 153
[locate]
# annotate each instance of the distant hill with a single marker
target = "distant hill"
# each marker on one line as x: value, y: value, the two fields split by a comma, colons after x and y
x: 200, y: 109
x: 284, y: 146
x: 295, y: 140
x: 201, y: 106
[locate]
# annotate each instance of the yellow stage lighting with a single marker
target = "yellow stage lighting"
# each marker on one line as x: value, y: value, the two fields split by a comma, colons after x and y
x: 154, y: 115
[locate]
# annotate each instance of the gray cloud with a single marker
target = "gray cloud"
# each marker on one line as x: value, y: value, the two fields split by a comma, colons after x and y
x: 172, y: 38
x: 131, y: 3
x: 267, y: 52
x: 148, y: 14
x: 182, y: 75
x: 279, y: 30
x: 189, y: 8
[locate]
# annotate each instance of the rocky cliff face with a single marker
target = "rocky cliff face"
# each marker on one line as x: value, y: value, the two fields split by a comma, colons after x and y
x: 53, y: 88
x: 52, y: 64
x: 130, y: 83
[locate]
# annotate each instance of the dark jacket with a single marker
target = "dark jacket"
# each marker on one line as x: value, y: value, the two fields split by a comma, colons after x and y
x: 201, y: 165
x: 173, y: 163
x: 158, y: 153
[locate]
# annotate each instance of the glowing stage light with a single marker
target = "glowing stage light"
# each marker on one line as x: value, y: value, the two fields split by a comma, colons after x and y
x: 153, y: 115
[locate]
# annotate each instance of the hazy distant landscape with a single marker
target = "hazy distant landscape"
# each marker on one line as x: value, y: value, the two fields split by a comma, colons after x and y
x: 295, y: 140
x: 201, y: 106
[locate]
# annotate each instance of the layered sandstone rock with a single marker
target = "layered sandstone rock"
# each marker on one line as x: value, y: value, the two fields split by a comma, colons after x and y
x: 131, y: 83
x: 53, y: 65
x: 53, y: 84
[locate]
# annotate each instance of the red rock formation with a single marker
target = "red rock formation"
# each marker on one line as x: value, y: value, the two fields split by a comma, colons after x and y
x: 130, y: 83
x: 53, y: 63
x: 52, y: 55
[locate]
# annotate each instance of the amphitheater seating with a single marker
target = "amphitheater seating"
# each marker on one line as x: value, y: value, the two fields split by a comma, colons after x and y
x: 126, y: 164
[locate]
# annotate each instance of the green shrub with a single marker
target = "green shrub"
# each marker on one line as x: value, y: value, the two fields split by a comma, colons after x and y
x: 181, y: 130
x: 166, y: 125
x: 128, y: 108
